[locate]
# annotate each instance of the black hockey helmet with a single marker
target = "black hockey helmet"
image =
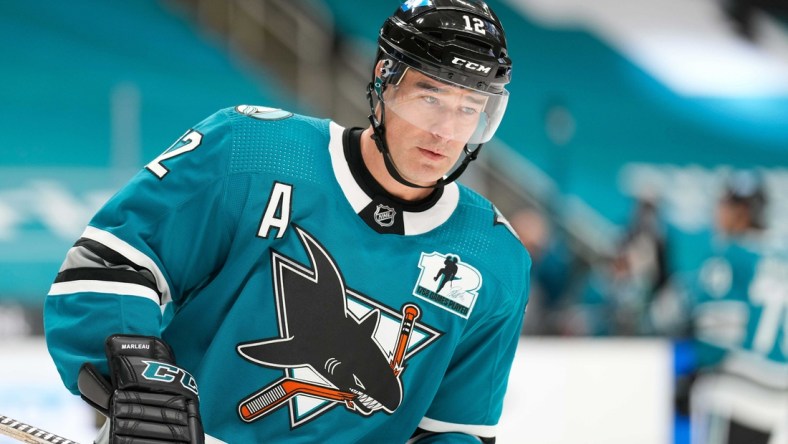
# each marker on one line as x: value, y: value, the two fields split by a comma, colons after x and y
x: 457, y: 42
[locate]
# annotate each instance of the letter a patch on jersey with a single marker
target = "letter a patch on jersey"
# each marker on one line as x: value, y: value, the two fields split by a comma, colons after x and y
x: 448, y: 282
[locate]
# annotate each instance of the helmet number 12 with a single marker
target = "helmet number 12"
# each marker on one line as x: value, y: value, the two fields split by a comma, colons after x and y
x: 476, y: 26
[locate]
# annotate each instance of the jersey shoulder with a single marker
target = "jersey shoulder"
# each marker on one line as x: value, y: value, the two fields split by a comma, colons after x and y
x: 276, y: 141
x: 490, y: 238
x: 481, y: 214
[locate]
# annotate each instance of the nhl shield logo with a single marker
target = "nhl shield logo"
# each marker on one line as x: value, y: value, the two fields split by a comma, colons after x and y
x: 448, y: 282
x: 384, y: 216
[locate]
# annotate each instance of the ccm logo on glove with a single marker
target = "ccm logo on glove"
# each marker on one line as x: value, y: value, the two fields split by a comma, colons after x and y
x: 159, y: 371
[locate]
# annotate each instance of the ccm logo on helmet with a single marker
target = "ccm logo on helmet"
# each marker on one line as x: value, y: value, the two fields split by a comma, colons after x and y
x: 470, y: 65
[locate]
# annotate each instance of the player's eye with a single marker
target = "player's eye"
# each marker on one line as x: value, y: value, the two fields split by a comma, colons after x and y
x: 358, y: 381
x: 432, y: 100
x: 468, y: 111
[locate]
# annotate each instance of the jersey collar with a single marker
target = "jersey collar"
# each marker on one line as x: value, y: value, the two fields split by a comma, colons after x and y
x: 381, y: 211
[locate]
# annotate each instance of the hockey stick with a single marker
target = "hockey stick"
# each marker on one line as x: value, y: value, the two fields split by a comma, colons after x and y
x: 275, y: 395
x: 410, y: 313
x: 29, y: 434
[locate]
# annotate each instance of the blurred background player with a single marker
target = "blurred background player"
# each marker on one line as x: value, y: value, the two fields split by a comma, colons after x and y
x: 739, y: 316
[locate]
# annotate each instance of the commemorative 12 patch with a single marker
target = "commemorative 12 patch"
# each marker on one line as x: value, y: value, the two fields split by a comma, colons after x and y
x: 448, y: 282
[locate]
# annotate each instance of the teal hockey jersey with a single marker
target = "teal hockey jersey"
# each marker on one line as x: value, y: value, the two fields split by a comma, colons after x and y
x: 309, y: 306
x: 740, y: 306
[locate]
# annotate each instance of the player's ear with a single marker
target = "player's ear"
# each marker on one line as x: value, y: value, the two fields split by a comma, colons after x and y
x: 379, y: 68
x: 386, y: 68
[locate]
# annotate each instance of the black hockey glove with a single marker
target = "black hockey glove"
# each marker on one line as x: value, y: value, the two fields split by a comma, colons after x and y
x: 150, y: 400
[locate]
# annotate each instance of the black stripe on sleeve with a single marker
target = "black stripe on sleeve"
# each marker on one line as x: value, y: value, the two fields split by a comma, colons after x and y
x: 106, y: 253
x: 106, y: 274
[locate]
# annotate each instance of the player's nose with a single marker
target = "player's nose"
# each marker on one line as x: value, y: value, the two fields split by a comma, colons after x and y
x: 443, y: 128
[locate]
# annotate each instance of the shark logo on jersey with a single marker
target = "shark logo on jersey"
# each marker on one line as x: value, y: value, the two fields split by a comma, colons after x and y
x: 335, y: 346
x: 448, y: 282
x: 263, y: 112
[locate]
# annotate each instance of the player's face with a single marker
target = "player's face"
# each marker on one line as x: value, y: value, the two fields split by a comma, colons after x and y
x: 427, y: 125
x: 732, y: 217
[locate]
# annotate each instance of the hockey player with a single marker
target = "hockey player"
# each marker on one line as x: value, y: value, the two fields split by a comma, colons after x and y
x: 740, y: 318
x: 284, y: 265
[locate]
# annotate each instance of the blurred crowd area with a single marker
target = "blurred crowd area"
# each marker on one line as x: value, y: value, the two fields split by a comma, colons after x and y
x: 726, y: 313
x: 642, y: 287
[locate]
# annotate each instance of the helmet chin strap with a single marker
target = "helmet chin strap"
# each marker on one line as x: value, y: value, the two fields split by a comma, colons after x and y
x: 379, y: 136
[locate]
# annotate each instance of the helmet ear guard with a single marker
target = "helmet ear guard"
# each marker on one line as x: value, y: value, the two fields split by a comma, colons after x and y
x: 375, y: 89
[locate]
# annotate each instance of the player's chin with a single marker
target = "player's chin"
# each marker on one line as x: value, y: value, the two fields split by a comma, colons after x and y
x: 426, y: 172
x: 428, y: 176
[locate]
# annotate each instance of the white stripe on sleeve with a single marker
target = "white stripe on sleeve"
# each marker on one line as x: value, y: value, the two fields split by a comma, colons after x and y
x: 87, y: 286
x: 436, y: 426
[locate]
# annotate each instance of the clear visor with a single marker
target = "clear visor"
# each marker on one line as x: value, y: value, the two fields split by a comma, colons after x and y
x: 447, y: 111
